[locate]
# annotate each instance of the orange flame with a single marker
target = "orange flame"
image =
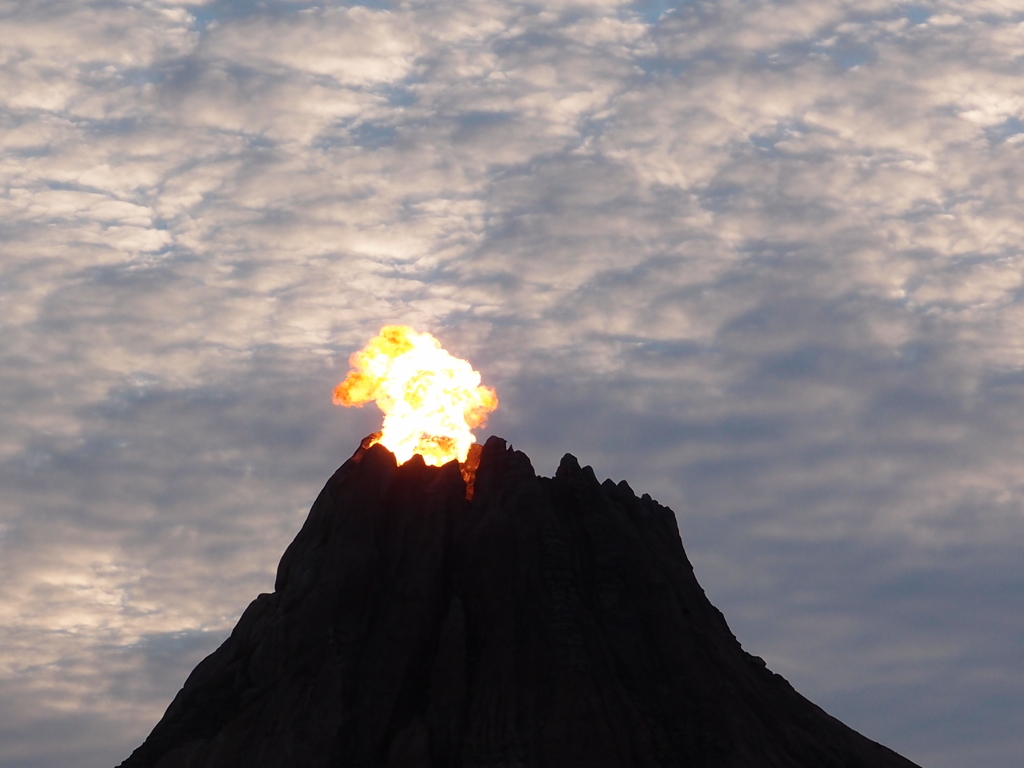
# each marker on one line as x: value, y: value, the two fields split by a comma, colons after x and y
x: 431, y: 400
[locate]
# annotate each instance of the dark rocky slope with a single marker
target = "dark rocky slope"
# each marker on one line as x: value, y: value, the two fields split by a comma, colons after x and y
x: 547, y: 622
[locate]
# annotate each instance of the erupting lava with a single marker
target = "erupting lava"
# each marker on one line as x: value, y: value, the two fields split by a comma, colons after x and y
x: 431, y: 400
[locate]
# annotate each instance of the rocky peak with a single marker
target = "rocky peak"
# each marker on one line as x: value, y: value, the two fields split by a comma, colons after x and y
x: 436, y: 617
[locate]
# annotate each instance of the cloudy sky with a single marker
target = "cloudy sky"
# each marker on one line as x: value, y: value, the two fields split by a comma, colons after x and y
x: 761, y: 259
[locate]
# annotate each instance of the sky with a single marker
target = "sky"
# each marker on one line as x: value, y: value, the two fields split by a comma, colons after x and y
x: 761, y: 259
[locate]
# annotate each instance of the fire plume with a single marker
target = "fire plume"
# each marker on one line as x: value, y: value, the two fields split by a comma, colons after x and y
x: 431, y: 400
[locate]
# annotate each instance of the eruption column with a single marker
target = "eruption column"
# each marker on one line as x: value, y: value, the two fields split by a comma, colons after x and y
x: 431, y: 400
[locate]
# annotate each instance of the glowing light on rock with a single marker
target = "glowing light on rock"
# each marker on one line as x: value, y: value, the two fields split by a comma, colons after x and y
x: 431, y: 400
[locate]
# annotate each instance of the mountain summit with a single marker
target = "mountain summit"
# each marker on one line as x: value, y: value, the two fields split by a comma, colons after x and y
x: 427, y: 617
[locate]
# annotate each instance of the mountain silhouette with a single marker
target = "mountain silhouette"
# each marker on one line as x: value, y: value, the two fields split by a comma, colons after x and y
x: 484, y: 617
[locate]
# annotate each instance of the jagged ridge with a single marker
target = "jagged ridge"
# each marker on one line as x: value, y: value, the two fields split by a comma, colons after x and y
x: 546, y: 622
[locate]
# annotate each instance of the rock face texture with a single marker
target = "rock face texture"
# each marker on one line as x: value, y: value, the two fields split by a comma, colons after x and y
x: 546, y: 622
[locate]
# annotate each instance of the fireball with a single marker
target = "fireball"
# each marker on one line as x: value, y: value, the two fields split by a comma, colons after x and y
x: 431, y: 400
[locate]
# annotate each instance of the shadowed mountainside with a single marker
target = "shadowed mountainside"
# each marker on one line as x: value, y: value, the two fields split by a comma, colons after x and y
x: 545, y: 622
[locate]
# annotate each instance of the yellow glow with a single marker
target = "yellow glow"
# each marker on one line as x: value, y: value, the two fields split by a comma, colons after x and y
x: 431, y: 400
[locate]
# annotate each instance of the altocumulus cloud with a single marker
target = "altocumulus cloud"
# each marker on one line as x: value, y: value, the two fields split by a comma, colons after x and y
x: 762, y: 259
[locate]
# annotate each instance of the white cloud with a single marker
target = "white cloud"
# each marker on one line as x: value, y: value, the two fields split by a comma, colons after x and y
x: 353, y: 46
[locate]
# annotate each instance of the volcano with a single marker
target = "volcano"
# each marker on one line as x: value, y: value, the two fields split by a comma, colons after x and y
x: 481, y: 616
